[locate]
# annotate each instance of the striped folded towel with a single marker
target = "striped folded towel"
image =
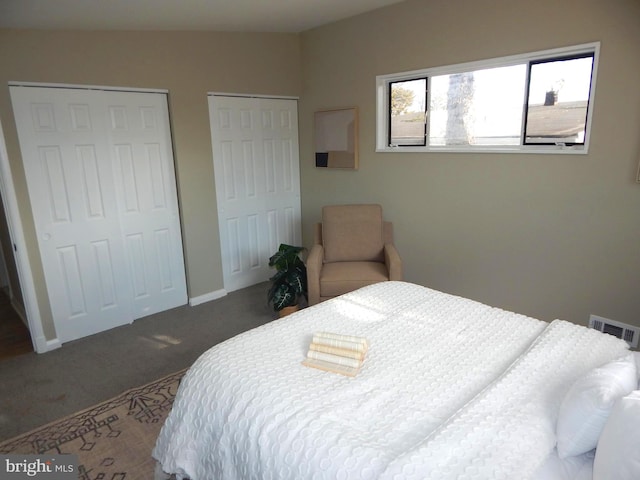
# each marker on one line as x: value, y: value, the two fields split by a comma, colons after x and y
x: 337, y: 353
x: 342, y: 352
x: 348, y: 342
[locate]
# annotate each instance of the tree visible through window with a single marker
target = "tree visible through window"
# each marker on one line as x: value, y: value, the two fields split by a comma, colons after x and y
x: 407, y: 116
x: 460, y: 109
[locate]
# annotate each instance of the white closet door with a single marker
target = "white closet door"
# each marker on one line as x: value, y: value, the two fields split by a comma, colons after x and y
x: 145, y: 185
x: 257, y: 177
x: 75, y: 187
x: 70, y: 183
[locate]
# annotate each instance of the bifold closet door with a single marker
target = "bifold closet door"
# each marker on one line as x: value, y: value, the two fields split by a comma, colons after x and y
x: 145, y: 185
x: 257, y: 177
x: 99, y: 171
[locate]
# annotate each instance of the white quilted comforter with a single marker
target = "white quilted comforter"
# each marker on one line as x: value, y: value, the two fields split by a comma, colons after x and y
x: 450, y: 388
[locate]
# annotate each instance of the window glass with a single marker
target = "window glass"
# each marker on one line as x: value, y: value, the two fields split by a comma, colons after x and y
x: 483, y: 107
x: 407, y: 102
x: 558, y: 100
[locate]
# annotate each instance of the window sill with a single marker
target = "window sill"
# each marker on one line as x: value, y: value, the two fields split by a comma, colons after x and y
x: 528, y: 149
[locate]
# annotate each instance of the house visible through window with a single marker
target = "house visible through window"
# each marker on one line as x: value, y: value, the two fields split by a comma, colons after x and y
x: 536, y: 102
x: 558, y: 100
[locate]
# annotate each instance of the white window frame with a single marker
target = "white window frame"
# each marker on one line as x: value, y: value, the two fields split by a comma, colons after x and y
x: 382, y: 102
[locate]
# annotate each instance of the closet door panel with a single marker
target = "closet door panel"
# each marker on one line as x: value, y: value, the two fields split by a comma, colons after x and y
x: 71, y: 189
x: 257, y: 177
x: 101, y: 183
x: 147, y: 199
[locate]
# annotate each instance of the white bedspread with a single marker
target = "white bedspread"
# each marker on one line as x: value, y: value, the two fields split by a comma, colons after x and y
x: 450, y: 388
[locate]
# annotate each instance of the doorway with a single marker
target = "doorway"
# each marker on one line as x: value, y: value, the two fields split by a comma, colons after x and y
x: 15, y: 338
x: 15, y: 334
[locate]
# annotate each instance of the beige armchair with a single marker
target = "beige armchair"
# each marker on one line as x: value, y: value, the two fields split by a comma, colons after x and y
x: 353, y: 247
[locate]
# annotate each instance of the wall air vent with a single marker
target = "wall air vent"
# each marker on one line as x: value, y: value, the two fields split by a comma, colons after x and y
x: 628, y: 333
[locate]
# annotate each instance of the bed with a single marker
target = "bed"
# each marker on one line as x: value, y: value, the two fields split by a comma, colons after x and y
x: 450, y: 388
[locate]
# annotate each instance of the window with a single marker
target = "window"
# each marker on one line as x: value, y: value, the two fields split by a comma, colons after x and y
x: 531, y: 103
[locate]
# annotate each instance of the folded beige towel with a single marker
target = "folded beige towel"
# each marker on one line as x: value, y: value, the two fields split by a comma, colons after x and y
x: 338, y: 360
x: 336, y: 353
x: 348, y: 342
x: 342, y: 352
x: 331, y: 367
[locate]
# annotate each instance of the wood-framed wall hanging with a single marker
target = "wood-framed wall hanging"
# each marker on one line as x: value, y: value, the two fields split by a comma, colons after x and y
x: 336, y: 138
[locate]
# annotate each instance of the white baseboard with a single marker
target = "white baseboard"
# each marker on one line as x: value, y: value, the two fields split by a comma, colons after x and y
x: 207, y: 297
x: 42, y: 345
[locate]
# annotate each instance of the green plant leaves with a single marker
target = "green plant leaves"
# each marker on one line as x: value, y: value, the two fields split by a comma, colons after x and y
x: 290, y: 280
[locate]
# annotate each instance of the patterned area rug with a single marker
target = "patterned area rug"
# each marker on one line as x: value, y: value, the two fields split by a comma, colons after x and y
x: 114, y: 439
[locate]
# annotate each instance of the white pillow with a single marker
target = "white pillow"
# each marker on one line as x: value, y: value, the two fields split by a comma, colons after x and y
x: 579, y: 467
x: 617, y: 454
x: 587, y: 405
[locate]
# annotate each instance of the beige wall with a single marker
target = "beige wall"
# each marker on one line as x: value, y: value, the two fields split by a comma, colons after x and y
x: 552, y: 236
x: 546, y: 235
x: 188, y: 64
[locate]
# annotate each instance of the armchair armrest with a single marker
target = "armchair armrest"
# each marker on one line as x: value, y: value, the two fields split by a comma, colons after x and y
x: 393, y: 261
x: 314, y: 266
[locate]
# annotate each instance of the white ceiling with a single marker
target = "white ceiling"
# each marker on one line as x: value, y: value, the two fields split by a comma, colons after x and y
x: 221, y: 15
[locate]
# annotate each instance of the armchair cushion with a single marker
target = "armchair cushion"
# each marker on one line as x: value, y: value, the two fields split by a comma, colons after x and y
x: 352, y: 233
x: 341, y: 277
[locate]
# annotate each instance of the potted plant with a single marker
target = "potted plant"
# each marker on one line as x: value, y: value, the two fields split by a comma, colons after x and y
x: 290, y: 280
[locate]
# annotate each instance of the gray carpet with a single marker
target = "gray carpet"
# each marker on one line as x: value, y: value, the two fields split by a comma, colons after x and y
x: 38, y: 388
